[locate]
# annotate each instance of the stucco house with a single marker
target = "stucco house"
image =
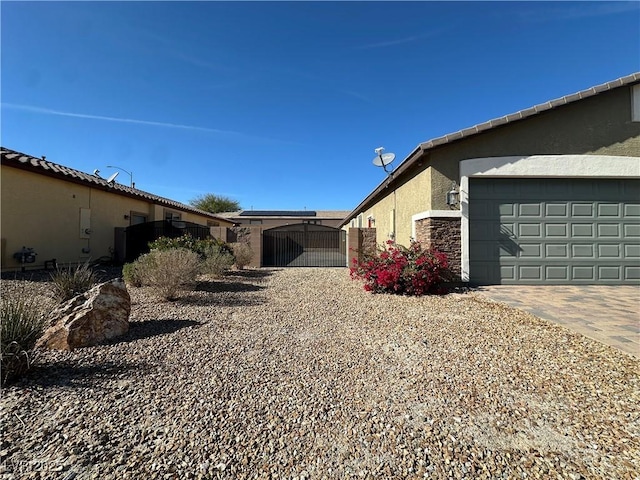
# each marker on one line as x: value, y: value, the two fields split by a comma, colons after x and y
x: 73, y: 217
x: 549, y: 194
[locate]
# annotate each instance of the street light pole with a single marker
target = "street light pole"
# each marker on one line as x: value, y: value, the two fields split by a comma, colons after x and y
x: 125, y: 171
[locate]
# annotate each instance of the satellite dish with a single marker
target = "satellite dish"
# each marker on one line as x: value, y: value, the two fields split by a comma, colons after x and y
x: 96, y: 173
x: 384, y: 159
x: 112, y: 177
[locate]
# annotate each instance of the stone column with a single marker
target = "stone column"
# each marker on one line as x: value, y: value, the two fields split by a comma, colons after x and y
x: 442, y: 234
x: 362, y: 241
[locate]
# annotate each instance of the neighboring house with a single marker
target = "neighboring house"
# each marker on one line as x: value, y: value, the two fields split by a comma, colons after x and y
x: 74, y: 217
x: 278, y: 218
x: 550, y: 194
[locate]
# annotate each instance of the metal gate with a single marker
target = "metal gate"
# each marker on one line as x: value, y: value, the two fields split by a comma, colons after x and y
x: 304, y: 245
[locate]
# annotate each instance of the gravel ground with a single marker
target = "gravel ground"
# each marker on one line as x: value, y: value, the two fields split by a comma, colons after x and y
x: 299, y: 373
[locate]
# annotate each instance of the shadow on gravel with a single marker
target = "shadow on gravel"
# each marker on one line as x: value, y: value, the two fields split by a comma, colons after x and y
x: 70, y: 374
x: 152, y: 328
x: 251, y: 274
x: 229, y: 299
x: 222, y: 286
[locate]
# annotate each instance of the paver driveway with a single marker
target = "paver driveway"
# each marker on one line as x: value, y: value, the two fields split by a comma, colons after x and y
x: 609, y: 314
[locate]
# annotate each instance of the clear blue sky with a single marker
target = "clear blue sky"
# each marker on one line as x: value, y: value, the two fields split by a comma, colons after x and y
x: 279, y: 105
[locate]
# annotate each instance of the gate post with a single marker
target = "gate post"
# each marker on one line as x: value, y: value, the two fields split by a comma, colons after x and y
x: 362, y: 241
x: 255, y: 242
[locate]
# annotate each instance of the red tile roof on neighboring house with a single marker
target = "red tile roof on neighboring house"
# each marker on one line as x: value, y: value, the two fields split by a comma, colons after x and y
x: 491, y: 124
x: 45, y: 167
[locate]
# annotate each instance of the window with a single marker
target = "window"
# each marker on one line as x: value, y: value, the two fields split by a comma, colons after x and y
x: 136, y: 218
x: 170, y: 215
x: 313, y: 222
x: 360, y: 221
x: 635, y: 103
x: 255, y: 222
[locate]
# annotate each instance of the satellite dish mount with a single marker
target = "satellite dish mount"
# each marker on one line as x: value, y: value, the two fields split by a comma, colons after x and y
x: 383, y: 159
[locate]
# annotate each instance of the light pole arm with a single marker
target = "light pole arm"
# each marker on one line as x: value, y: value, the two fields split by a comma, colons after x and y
x: 125, y: 171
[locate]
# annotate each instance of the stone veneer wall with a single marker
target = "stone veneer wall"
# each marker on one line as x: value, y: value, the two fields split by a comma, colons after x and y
x: 442, y: 234
x: 361, y: 241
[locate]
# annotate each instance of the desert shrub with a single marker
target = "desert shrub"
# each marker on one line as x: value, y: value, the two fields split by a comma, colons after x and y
x: 168, y: 271
x: 23, y: 322
x: 199, y: 246
x: 400, y: 270
x: 217, y: 260
x: 242, y: 253
x: 71, y: 281
x: 132, y: 273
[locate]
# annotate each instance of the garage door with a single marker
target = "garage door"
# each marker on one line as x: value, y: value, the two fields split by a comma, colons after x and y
x: 562, y: 231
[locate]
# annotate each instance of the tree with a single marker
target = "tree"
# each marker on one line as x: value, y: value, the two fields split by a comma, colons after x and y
x: 214, y: 203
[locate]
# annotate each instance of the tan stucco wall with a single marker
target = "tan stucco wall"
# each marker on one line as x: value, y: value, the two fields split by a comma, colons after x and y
x: 43, y: 213
x: 410, y: 197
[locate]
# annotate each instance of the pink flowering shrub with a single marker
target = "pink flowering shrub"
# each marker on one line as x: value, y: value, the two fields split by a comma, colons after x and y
x: 404, y: 271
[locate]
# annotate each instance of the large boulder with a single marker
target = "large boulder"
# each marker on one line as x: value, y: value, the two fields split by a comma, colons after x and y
x: 90, y: 318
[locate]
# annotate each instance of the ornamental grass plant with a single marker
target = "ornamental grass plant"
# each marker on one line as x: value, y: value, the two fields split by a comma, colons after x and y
x: 23, y: 323
x: 71, y: 281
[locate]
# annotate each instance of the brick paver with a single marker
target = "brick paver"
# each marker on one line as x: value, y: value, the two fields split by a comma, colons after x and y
x: 609, y: 314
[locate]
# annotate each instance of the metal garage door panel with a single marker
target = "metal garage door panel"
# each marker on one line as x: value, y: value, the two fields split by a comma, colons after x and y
x: 554, y: 231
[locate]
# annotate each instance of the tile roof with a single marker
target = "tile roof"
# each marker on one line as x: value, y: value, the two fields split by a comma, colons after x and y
x: 45, y: 167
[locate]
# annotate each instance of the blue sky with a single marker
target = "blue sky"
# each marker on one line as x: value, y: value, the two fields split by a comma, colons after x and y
x: 279, y: 105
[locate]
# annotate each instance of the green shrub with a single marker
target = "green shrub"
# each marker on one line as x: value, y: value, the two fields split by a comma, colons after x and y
x: 131, y: 273
x: 168, y: 271
x: 217, y: 260
x: 23, y: 322
x: 71, y: 281
x: 199, y: 246
x: 242, y: 253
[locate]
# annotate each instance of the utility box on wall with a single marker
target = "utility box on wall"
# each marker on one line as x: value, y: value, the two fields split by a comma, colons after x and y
x: 85, y: 223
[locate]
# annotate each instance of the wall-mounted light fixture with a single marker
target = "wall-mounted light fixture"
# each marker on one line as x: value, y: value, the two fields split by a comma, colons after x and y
x: 453, y: 195
x: 126, y: 217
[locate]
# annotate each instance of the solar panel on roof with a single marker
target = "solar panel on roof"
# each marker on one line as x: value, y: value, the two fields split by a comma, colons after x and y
x: 278, y: 213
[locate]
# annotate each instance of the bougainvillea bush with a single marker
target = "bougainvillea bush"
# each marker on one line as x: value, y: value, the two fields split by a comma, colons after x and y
x: 403, y: 271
